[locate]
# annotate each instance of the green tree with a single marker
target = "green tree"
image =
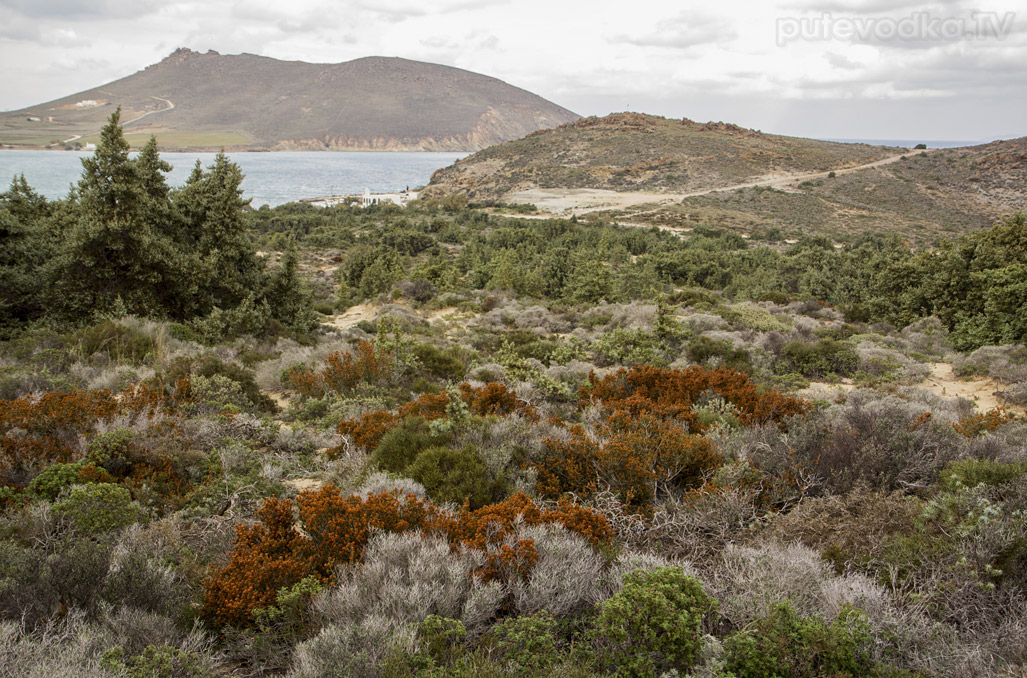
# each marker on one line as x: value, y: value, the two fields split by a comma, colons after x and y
x: 115, y: 260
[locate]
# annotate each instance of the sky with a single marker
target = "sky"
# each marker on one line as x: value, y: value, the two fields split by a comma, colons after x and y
x: 849, y: 69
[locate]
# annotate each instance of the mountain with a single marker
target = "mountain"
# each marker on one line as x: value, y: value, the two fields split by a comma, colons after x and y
x: 649, y: 170
x: 194, y: 100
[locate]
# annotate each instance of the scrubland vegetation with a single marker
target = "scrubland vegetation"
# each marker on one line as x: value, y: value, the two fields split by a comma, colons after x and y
x: 432, y: 441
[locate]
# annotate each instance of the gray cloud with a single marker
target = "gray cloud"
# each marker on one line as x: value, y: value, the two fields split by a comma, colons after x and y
x: 841, y: 61
x: 66, y: 10
x: 682, y: 32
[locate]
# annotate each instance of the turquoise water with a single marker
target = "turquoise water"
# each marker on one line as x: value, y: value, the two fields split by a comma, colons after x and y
x: 271, y: 178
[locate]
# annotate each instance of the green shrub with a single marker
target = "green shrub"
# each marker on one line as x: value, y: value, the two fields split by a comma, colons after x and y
x: 98, y: 508
x: 157, y: 662
x: 653, y: 624
x: 756, y: 318
x: 443, y: 364
x: 825, y: 358
x: 526, y: 646
x: 442, y: 639
x: 400, y: 446
x: 218, y: 392
x: 54, y: 479
x: 117, y: 342
x: 210, y: 366
x: 453, y: 475
x: 629, y: 347
x: 974, y: 472
x: 111, y: 450
x: 786, y: 645
x: 702, y: 349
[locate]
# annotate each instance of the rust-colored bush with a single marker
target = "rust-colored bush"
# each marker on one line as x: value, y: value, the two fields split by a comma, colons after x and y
x: 495, y: 398
x: 671, y: 393
x: 344, y: 371
x: 637, y: 457
x: 37, y: 431
x: 490, y: 399
x: 367, y: 431
x: 323, y: 529
x: 983, y: 422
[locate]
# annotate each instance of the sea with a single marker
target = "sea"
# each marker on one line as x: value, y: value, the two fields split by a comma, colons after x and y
x: 270, y: 178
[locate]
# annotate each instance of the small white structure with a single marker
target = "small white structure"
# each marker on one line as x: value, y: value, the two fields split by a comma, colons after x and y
x: 401, y: 198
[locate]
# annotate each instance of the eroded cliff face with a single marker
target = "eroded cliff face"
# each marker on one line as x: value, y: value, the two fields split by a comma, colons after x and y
x: 493, y: 127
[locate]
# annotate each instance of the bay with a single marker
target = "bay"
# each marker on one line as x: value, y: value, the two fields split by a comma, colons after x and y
x: 271, y: 178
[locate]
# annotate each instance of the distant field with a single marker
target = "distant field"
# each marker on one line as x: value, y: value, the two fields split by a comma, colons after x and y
x: 42, y: 140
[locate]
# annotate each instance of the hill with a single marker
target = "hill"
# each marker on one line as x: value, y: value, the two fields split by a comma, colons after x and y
x: 627, y: 152
x: 681, y: 174
x: 922, y: 195
x: 193, y: 100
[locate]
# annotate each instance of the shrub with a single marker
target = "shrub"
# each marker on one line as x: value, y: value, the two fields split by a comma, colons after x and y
x: 157, y: 662
x: 441, y: 638
x: 404, y: 578
x: 526, y: 646
x: 671, y: 393
x: 636, y: 456
x: 353, y: 649
x: 118, y: 342
x: 400, y: 446
x: 824, y: 359
x: 443, y: 364
x: 974, y: 472
x: 983, y: 422
x: 703, y: 349
x: 55, y: 479
x: 453, y: 475
x: 328, y: 530
x: 217, y: 393
x: 566, y: 579
x: 784, y: 644
x: 494, y: 399
x: 97, y: 508
x: 343, y: 372
x: 211, y: 366
x: 652, y: 625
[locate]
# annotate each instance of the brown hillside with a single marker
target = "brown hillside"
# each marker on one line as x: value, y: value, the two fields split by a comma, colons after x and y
x: 191, y: 99
x: 636, y: 152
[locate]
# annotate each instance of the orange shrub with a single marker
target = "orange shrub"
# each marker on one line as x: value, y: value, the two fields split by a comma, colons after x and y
x: 983, y: 422
x: 344, y: 371
x: 37, y: 431
x: 323, y: 529
x: 637, y: 457
x: 490, y: 399
x: 366, y: 431
x: 495, y: 398
x: 671, y: 393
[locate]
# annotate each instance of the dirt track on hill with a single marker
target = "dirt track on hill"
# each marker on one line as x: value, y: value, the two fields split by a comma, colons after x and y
x: 572, y: 201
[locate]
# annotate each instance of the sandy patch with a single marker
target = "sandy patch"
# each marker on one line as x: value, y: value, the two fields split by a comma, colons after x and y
x: 281, y: 398
x: 825, y: 389
x: 442, y: 314
x: 352, y: 316
x: 982, y: 391
x: 303, y: 484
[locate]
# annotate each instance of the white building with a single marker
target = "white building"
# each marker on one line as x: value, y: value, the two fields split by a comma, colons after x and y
x: 400, y: 199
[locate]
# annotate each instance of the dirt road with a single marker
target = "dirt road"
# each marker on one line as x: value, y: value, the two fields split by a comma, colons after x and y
x: 570, y: 201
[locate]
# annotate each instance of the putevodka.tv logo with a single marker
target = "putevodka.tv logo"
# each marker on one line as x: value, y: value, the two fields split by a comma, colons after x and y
x: 916, y: 27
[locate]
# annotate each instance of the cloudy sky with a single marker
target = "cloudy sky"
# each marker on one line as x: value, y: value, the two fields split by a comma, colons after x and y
x: 866, y: 69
